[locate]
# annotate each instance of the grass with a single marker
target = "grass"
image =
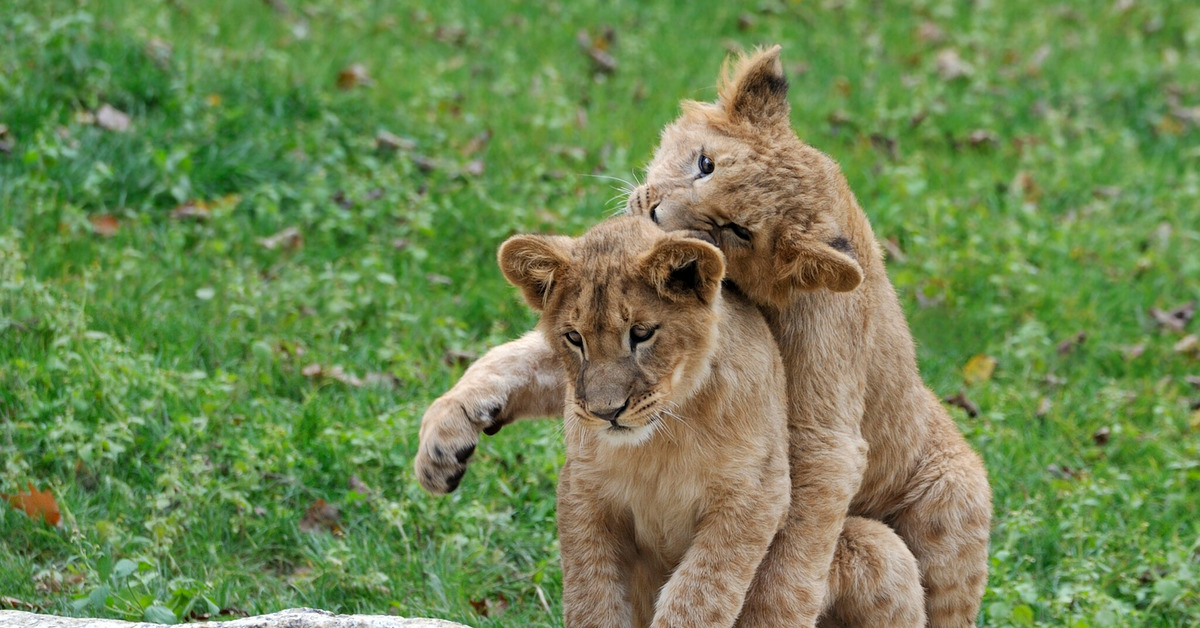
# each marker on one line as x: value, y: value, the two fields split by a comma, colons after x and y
x: 154, y: 378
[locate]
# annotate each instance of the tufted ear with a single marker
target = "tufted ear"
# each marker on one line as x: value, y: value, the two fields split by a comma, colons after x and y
x: 681, y: 268
x: 755, y: 90
x: 532, y: 263
x: 809, y: 263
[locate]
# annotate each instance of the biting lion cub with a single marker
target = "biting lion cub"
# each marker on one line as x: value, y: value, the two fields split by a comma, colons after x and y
x: 867, y: 437
x: 676, y: 478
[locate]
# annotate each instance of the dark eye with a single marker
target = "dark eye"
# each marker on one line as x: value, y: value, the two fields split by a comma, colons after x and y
x: 706, y: 165
x: 637, y: 334
x: 574, y: 338
x: 739, y: 231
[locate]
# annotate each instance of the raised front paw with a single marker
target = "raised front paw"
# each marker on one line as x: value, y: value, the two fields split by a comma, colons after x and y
x: 449, y: 432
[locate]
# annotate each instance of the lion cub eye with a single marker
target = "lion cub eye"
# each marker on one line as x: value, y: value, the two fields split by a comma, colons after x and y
x: 638, y: 333
x: 739, y: 231
x: 706, y: 165
x: 574, y: 338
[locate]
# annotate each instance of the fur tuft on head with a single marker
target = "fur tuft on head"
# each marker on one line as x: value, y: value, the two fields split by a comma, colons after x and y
x: 752, y: 88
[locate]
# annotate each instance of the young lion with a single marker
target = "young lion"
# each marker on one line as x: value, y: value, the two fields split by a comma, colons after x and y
x: 866, y: 436
x: 676, y: 477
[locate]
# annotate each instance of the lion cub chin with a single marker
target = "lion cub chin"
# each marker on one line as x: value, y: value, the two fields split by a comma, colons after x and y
x: 676, y: 476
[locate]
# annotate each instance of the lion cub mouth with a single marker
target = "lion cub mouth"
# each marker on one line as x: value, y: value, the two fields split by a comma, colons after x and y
x: 621, y: 431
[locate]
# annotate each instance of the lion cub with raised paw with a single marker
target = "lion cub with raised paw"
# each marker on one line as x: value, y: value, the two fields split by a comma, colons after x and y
x: 676, y: 478
x: 676, y: 475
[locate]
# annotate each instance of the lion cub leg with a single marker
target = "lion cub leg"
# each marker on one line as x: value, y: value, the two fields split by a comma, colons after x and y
x: 873, y: 581
x: 947, y: 529
x: 596, y: 550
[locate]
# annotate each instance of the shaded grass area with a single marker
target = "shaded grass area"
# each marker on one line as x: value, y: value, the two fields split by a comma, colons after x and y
x: 154, y: 378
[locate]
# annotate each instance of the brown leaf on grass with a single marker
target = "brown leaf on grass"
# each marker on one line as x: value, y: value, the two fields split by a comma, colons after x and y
x: 980, y: 138
x: 453, y: 34
x: 192, y: 210
x: 477, y: 143
x: 336, y: 373
x: 979, y: 369
x: 961, y: 401
x: 159, y: 51
x: 21, y: 605
x: 459, y: 357
x: 53, y: 581
x: 290, y: 238
x: 1071, y: 343
x: 112, y: 119
x: 490, y: 607
x: 105, y: 225
x: 401, y: 243
x: 424, y: 164
x: 1175, y: 319
x: 1188, y: 345
x: 354, y: 75
x: 1133, y: 352
x: 85, y: 477
x: 930, y: 33
x: 1101, y: 436
x: 1034, y: 66
x: 1054, y: 381
x: 950, y: 66
x: 381, y: 380
x: 322, y: 517
x: 7, y: 141
x: 390, y: 143
x: 1062, y: 472
x: 358, y: 486
x: 474, y: 167
x: 1024, y: 184
x: 597, y: 50
x: 1044, y: 407
x: 1194, y: 380
x: 37, y: 504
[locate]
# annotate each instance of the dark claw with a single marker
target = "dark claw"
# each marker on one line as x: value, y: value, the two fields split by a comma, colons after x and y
x: 452, y: 481
x: 492, y: 429
x: 438, y: 453
x: 464, y: 453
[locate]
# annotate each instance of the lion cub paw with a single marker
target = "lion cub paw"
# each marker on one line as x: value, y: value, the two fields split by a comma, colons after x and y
x: 449, y: 432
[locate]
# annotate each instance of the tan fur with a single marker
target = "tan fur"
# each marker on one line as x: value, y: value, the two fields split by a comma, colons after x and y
x: 867, y: 437
x: 676, y: 476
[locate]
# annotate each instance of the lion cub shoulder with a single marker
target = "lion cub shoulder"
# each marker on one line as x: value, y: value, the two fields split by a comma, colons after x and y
x: 676, y: 475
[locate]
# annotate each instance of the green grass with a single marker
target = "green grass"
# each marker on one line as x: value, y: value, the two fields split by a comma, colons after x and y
x: 150, y: 379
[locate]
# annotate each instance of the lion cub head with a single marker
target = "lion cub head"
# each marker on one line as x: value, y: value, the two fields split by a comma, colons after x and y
x: 779, y: 210
x: 631, y: 312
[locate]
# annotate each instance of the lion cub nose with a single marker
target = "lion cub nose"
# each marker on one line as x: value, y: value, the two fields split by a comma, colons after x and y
x: 609, y: 414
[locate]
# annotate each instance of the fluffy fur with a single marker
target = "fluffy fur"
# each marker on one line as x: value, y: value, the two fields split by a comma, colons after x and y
x: 676, y: 478
x: 867, y: 437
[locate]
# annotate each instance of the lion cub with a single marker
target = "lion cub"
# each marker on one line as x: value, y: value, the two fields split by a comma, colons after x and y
x: 676, y: 476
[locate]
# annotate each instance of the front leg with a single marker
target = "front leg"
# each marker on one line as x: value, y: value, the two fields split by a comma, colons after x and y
x: 518, y: 379
x: 709, y: 586
x: 596, y: 548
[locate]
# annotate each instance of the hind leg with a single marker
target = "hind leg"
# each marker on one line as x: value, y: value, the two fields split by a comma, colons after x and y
x: 946, y: 526
x: 874, y: 580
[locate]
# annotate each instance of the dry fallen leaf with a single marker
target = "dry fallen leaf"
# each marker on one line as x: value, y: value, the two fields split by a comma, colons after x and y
x: 961, y: 401
x: 950, y: 65
x: 1043, y: 408
x: 982, y: 137
x: 1062, y: 472
x: 336, y: 373
x: 159, y: 51
x: 322, y: 516
x: 477, y: 143
x: 1101, y: 436
x: 1133, y: 352
x: 474, y: 167
x: 355, y: 75
x: 1071, y: 343
x: 192, y: 210
x: 1024, y: 184
x: 37, y: 504
x: 979, y: 369
x: 490, y: 607
x: 1194, y: 380
x: 105, y: 225
x: 110, y: 118
x: 1188, y: 345
x: 7, y: 142
x: 289, y: 238
x: 596, y: 50
x: 390, y: 142
x: 930, y: 33
x: 12, y: 602
x: 1175, y: 319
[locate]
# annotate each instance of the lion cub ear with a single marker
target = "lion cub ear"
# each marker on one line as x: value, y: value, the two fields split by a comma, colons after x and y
x: 809, y: 263
x: 755, y: 90
x: 532, y: 263
x: 681, y: 268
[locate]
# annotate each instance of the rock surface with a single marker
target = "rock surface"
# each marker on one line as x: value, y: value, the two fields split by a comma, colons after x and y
x: 291, y: 618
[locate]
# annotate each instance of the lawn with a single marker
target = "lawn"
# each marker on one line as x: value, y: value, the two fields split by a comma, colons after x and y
x: 244, y: 244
